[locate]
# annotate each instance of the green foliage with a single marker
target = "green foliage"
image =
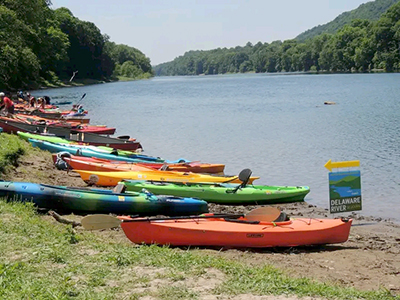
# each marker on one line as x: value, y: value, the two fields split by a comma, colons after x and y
x: 360, y: 46
x: 369, y: 11
x: 129, y: 62
x: 40, y: 45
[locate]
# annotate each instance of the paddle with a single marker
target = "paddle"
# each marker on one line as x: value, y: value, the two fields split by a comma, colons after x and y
x: 83, y: 96
x: 100, y: 221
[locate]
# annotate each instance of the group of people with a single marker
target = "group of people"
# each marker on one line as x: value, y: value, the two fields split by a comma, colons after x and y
x: 7, y: 106
x: 32, y: 101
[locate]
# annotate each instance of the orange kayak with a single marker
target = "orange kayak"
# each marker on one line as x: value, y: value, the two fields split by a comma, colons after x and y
x: 112, y: 178
x: 237, y: 232
x: 98, y: 164
x: 91, y: 164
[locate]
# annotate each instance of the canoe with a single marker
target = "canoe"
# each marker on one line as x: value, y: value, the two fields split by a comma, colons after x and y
x: 112, y: 178
x: 74, y: 149
x: 104, y: 165
x: 85, y: 200
x: 236, y: 232
x: 223, y: 193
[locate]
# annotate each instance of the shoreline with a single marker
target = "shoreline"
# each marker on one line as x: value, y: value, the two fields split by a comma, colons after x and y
x: 369, y: 260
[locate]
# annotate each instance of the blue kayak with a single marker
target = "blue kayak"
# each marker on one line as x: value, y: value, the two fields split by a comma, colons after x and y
x: 82, y: 151
x: 88, y: 200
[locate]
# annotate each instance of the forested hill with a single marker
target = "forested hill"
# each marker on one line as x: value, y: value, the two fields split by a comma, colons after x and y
x: 368, y: 11
x: 41, y: 46
x: 361, y: 46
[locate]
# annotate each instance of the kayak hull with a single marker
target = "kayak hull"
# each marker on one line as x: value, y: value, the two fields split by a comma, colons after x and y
x: 112, y: 178
x: 101, y: 164
x: 73, y: 137
x: 84, y: 200
x: 75, y: 149
x: 224, y: 193
x: 222, y: 233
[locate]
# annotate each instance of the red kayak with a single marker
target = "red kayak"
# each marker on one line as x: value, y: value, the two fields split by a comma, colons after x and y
x: 74, y: 126
x: 98, y: 164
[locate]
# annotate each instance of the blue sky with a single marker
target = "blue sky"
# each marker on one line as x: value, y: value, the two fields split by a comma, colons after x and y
x: 166, y: 29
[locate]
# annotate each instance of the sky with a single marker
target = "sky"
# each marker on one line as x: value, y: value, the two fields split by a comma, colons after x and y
x: 166, y: 29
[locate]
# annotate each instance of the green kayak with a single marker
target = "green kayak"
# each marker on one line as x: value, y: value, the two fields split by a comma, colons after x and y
x: 229, y: 194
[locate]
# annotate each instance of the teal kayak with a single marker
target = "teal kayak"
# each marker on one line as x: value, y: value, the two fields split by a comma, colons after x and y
x: 87, y: 200
x: 229, y: 194
x: 102, y: 149
x: 99, y: 151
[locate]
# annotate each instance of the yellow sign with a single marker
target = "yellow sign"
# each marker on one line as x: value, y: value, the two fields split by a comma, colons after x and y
x: 341, y: 164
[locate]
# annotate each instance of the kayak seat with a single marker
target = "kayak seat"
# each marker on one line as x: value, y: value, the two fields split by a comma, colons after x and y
x: 119, y: 188
x: 244, y: 177
x: 282, y: 217
x: 164, y: 167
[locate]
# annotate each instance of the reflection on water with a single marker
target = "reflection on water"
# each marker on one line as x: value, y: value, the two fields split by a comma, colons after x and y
x: 275, y: 125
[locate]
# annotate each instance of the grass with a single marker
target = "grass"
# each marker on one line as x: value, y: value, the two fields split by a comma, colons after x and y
x: 11, y: 149
x: 42, y: 259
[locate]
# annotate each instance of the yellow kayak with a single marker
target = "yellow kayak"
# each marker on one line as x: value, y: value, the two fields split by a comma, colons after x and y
x: 112, y: 178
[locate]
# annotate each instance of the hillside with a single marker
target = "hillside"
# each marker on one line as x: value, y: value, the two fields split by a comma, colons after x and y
x: 367, y: 11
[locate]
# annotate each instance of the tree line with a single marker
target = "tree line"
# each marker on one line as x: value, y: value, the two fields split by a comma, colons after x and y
x: 361, y: 46
x: 372, y: 11
x: 39, y: 45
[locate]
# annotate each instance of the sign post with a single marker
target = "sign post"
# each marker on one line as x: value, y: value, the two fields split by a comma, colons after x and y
x: 344, y: 187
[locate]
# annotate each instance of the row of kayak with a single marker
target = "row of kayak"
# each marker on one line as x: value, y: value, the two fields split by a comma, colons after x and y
x: 181, y: 190
x: 71, y: 135
x: 259, y: 229
x: 186, y: 179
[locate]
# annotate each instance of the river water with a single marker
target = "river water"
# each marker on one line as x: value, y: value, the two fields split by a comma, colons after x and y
x: 276, y: 125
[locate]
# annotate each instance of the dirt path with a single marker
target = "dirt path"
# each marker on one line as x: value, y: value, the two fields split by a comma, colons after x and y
x: 369, y: 260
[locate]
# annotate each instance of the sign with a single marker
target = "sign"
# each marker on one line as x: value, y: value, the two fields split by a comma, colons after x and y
x: 342, y: 164
x: 344, y: 191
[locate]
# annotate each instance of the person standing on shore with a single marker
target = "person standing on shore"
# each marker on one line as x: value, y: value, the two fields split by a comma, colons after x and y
x: 7, y: 105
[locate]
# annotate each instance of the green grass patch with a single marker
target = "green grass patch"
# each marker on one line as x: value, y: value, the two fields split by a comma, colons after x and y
x: 42, y: 259
x: 11, y: 149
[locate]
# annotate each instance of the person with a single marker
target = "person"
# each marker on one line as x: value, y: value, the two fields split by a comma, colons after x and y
x: 47, y: 98
x: 20, y: 95
x: 6, y: 104
x: 32, y: 100
x: 41, y: 103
